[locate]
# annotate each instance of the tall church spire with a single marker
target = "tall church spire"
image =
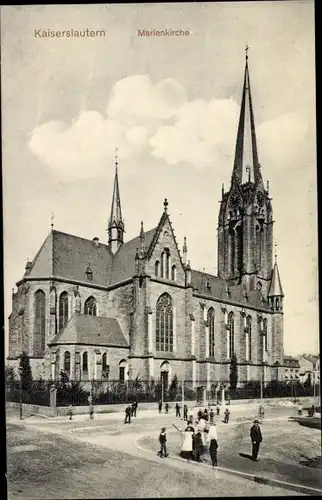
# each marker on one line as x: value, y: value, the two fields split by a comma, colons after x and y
x: 116, y: 224
x: 246, y: 166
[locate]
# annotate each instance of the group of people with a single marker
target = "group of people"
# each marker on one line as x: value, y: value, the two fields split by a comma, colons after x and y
x: 130, y: 411
x: 203, y: 436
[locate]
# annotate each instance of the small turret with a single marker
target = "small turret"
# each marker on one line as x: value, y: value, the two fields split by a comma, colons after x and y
x: 275, y: 293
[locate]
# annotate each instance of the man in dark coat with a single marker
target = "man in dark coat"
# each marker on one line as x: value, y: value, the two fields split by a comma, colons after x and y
x: 226, y: 416
x: 167, y: 407
x: 198, y: 446
x: 134, y: 408
x: 128, y: 411
x: 185, y: 412
x: 163, y: 443
x: 256, y: 437
x: 178, y: 410
x: 160, y: 406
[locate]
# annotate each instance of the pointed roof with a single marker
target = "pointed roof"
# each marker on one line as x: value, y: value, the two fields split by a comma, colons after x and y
x: 246, y: 147
x: 94, y: 330
x: 275, y: 289
x: 116, y: 212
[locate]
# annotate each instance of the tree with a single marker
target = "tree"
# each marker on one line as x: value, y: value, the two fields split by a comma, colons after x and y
x: 10, y: 377
x: 25, y: 372
x: 233, y: 376
x: 173, y: 389
x: 308, y: 381
x: 64, y: 379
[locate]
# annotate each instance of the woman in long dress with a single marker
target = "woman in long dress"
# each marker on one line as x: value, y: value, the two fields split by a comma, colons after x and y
x: 187, y: 447
x: 213, y: 444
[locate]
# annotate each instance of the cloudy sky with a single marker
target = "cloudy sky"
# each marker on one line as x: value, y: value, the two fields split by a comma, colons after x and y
x: 171, y: 105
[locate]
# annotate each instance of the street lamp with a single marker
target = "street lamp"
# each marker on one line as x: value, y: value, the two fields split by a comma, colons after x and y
x: 20, y: 392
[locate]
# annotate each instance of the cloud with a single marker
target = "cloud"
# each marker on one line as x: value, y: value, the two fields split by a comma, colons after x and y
x: 142, y: 116
x: 85, y: 147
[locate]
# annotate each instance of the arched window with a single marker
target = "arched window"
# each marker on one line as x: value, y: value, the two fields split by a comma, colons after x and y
x: 40, y: 323
x: 231, y: 334
x: 122, y: 371
x: 105, y: 367
x: 162, y: 265
x: 90, y: 306
x: 174, y: 273
x: 239, y: 249
x: 67, y: 363
x: 63, y: 310
x: 249, y: 337
x: 157, y: 268
x: 265, y: 335
x: 167, y: 267
x: 165, y: 375
x: 85, y: 365
x: 211, y: 326
x: 164, y: 324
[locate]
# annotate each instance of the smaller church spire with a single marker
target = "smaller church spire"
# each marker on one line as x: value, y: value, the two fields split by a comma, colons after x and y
x: 184, y: 250
x: 116, y: 224
x: 275, y: 288
x: 165, y: 204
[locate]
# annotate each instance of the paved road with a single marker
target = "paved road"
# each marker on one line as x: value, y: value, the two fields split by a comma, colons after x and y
x: 139, y: 439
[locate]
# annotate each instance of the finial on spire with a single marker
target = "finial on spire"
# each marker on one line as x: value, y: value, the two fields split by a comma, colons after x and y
x: 275, y: 246
x: 52, y: 220
x: 142, y: 231
x: 165, y: 205
x: 246, y: 50
x: 116, y: 157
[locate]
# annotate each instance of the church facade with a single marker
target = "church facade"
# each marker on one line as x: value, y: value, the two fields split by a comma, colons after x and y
x: 137, y: 308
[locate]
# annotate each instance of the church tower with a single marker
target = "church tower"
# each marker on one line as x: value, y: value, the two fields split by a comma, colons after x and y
x: 115, y: 223
x: 245, y: 223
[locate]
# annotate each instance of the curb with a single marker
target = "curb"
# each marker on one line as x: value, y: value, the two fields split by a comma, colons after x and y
x: 251, y: 477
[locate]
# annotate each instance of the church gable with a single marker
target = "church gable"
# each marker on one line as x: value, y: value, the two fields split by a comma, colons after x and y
x: 164, y: 259
x: 42, y: 265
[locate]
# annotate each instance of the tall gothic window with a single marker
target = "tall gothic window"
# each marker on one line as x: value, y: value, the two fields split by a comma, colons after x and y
x: 85, y: 365
x: 265, y: 335
x: 40, y: 322
x: 90, y: 306
x: 231, y: 333
x: 167, y: 267
x: 164, y: 324
x: 164, y: 375
x: 63, y: 310
x: 232, y: 251
x: 211, y: 327
x: 173, y: 273
x: 157, y: 268
x: 67, y: 363
x: 249, y: 335
x: 105, y: 367
x: 162, y: 265
x: 239, y: 248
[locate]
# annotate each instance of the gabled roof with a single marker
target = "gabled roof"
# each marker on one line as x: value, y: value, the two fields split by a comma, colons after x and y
x: 217, y: 288
x: 93, y: 330
x: 124, y: 260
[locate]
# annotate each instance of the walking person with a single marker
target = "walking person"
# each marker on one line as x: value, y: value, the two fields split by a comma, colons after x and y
x: 91, y: 411
x: 178, y: 410
x: 226, y: 417
x: 198, y: 446
x: 185, y: 412
x: 213, y: 446
x: 70, y: 412
x: 187, y: 446
x: 256, y: 437
x: 135, y: 407
x: 160, y: 406
x: 261, y: 412
x: 217, y: 409
x: 167, y: 407
x: 163, y: 443
x: 199, y: 414
x: 299, y: 410
x: 128, y: 415
x: 211, y: 416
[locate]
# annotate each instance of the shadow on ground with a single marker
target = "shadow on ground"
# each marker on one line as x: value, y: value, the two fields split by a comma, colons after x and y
x: 245, y: 455
x: 315, y: 462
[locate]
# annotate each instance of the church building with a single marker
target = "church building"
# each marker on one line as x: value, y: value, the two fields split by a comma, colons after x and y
x: 123, y: 309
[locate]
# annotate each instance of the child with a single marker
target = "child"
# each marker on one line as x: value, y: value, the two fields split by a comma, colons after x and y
x: 70, y: 412
x: 163, y: 443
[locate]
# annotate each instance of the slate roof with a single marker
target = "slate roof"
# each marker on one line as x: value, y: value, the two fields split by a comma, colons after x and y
x: 67, y: 256
x: 218, y: 289
x: 95, y: 330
